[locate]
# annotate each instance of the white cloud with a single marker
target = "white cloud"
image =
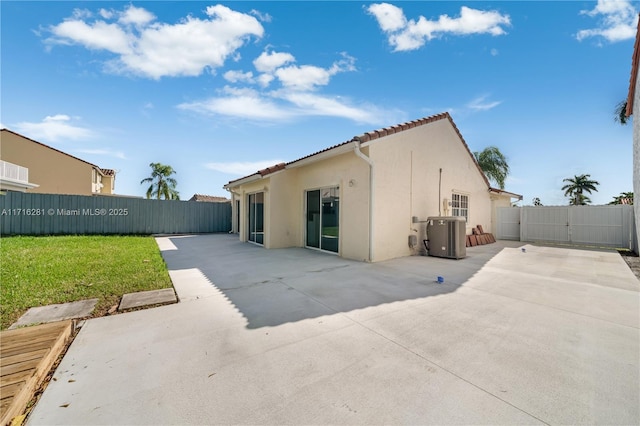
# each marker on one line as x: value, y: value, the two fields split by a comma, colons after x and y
x: 494, y: 52
x: 106, y: 152
x: 106, y: 14
x: 308, y: 77
x: 240, y: 103
x: 99, y: 36
x: 81, y: 14
x: 136, y: 16
x: 242, y: 168
x: 153, y: 49
x: 406, y: 34
x: 305, y: 77
x: 618, y: 21
x: 295, y: 97
x: 284, y: 105
x: 481, y: 104
x: 238, y: 76
x: 268, y: 62
x: 390, y: 17
x: 264, y: 17
x: 53, y: 129
x: 311, y: 104
x: 265, y: 79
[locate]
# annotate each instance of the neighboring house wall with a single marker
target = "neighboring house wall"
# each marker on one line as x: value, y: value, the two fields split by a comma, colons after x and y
x: 55, y: 172
x: 108, y: 184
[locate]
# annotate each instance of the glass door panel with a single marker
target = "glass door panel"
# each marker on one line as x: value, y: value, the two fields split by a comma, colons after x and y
x: 323, y: 219
x: 313, y: 219
x: 330, y: 220
x: 256, y: 218
x: 260, y: 218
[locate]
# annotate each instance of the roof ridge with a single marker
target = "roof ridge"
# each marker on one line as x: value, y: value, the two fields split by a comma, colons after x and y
x: 369, y: 136
x: 396, y: 128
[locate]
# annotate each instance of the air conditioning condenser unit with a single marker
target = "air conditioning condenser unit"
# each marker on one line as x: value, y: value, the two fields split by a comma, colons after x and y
x: 446, y: 237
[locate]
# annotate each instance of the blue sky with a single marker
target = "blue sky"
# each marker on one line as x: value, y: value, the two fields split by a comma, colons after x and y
x: 220, y: 90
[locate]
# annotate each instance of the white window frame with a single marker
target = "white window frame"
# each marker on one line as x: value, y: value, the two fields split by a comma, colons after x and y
x: 460, y: 205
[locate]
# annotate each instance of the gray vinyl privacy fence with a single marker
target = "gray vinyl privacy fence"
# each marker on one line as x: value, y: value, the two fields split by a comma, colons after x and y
x: 601, y: 226
x: 52, y: 214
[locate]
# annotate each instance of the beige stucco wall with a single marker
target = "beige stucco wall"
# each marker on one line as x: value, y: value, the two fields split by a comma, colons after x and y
x: 406, y: 173
x: 407, y: 169
x: 351, y: 175
x: 285, y: 203
x: 242, y: 192
x: 55, y: 172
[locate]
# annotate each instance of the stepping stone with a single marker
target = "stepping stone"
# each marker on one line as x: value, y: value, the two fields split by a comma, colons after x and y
x: 53, y: 313
x: 146, y: 298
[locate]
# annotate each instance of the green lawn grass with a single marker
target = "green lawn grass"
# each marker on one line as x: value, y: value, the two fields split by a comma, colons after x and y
x: 37, y: 271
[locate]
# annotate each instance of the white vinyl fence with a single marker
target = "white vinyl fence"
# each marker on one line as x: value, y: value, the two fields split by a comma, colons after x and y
x: 602, y: 226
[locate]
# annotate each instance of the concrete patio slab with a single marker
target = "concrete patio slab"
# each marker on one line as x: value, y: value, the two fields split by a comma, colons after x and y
x: 57, y: 312
x: 147, y: 298
x: 294, y: 336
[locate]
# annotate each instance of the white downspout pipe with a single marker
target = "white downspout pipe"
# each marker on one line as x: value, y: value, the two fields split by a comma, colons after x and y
x: 360, y: 154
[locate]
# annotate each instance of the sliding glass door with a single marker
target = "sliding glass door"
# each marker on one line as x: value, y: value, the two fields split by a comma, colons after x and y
x: 323, y: 219
x: 256, y: 218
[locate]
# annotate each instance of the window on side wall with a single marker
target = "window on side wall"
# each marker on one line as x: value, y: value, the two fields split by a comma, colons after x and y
x: 460, y: 205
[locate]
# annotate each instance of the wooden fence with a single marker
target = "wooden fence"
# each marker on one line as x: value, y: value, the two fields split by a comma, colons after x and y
x: 53, y: 214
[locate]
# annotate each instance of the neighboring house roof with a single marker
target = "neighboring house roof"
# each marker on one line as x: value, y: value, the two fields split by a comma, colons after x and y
x: 364, y: 138
x: 61, y: 152
x: 634, y: 72
x: 209, y: 198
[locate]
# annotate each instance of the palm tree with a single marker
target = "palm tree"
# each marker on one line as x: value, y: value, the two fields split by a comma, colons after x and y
x: 623, y: 198
x: 620, y: 113
x: 494, y: 164
x: 162, y: 184
x: 577, y: 186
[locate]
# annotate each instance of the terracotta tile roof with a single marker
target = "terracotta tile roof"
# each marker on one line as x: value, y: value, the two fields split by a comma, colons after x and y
x: 376, y: 134
x: 372, y: 135
x: 271, y: 169
x: 634, y: 72
x: 108, y: 172
x: 209, y: 198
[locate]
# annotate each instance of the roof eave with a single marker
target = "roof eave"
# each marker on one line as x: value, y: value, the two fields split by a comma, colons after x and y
x: 338, y: 150
x: 635, y: 59
x: 503, y: 192
x: 247, y: 179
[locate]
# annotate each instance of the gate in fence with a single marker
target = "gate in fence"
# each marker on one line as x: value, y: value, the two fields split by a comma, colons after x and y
x: 603, y: 226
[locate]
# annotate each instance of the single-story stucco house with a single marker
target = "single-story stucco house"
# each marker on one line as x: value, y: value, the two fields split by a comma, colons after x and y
x: 363, y: 199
